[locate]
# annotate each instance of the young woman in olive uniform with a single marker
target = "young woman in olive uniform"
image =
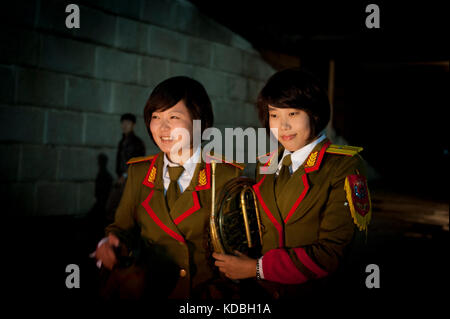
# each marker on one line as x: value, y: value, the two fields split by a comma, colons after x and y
x: 167, y: 197
x: 312, y: 195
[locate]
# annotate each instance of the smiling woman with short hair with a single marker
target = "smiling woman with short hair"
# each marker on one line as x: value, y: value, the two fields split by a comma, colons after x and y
x: 167, y: 199
x: 314, y: 203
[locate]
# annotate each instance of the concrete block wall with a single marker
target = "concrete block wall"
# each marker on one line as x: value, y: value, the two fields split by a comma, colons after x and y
x: 63, y: 90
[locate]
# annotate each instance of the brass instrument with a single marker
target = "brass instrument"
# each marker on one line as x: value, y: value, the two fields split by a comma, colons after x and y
x: 235, y: 222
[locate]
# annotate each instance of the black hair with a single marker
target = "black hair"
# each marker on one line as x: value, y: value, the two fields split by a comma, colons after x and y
x: 298, y: 89
x: 129, y: 117
x: 171, y: 91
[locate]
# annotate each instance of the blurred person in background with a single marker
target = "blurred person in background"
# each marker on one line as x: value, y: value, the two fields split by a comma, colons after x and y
x: 129, y: 146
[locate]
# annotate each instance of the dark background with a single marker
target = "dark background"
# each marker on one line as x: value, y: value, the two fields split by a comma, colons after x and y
x: 391, y: 95
x: 391, y: 84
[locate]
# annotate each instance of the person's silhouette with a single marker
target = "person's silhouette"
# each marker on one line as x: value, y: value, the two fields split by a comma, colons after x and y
x: 97, y: 218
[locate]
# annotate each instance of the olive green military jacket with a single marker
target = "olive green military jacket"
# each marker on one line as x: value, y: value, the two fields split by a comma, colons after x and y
x: 177, y: 237
x: 307, y: 229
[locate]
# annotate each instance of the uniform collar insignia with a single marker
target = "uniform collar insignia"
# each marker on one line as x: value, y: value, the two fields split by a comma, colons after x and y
x: 315, y: 158
x: 311, y: 160
x: 151, y: 173
x: 204, y: 178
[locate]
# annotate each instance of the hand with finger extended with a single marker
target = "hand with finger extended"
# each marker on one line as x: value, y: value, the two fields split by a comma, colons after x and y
x: 239, y: 266
x: 105, y: 252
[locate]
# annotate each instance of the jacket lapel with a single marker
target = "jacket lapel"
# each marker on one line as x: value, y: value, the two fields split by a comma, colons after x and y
x: 155, y: 203
x: 290, y: 206
x: 293, y: 193
x: 264, y: 190
x: 188, y: 203
x: 299, y: 191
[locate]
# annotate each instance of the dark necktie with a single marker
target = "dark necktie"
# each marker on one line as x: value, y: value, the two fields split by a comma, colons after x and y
x: 283, y: 176
x: 173, y: 191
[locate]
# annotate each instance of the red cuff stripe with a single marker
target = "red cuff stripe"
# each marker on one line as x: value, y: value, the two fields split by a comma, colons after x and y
x: 309, y: 263
x: 278, y: 267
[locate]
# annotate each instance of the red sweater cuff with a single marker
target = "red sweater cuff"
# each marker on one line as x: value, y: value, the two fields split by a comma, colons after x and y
x: 278, y: 267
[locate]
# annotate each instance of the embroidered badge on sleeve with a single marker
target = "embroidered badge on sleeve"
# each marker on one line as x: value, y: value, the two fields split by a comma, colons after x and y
x: 358, y: 198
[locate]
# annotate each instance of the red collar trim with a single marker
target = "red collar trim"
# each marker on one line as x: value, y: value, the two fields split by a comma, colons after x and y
x: 155, y: 218
x: 190, y: 211
x: 319, y: 160
x: 150, y: 176
x: 299, y: 199
x: 201, y: 187
x: 269, y: 213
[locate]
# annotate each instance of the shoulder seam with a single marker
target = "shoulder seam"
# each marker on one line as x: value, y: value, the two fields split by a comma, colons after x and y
x: 140, y: 159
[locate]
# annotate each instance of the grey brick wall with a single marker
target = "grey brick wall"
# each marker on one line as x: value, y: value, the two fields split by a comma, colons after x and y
x: 63, y: 90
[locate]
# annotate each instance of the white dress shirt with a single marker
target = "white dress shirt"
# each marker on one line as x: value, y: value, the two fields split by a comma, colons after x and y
x: 188, y: 173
